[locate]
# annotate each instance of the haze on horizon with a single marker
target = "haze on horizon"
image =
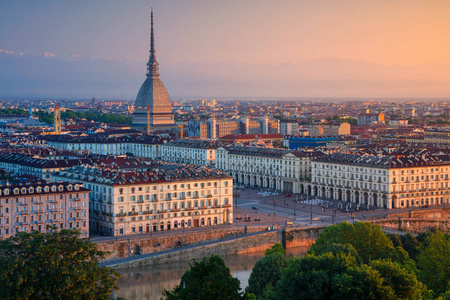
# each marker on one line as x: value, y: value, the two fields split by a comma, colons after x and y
x: 211, y: 48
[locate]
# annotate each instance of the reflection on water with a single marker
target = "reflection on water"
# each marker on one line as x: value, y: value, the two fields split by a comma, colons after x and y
x: 150, y: 281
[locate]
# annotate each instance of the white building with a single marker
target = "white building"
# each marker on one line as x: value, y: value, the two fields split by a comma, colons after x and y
x: 143, y: 146
x: 390, y: 182
x: 188, y: 151
x: 169, y: 197
x: 266, y: 167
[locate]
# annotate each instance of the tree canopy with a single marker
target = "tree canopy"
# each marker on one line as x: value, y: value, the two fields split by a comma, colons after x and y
x: 434, y: 263
x: 368, y: 239
x: 209, y: 279
x: 95, y: 116
x: 339, y: 276
x: 266, y: 273
x: 57, y: 265
x: 13, y: 111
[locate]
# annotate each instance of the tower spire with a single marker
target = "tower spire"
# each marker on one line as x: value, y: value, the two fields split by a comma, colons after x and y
x: 152, y: 65
x: 152, y: 40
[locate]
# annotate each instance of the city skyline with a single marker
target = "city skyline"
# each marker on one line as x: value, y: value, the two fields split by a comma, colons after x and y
x: 226, y: 49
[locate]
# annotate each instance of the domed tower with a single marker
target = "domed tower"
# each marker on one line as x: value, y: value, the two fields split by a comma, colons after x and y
x: 153, y: 94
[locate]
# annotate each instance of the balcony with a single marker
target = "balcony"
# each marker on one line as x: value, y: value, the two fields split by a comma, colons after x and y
x: 133, y: 213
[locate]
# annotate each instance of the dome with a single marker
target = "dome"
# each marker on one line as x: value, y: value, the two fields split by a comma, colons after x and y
x: 153, y: 94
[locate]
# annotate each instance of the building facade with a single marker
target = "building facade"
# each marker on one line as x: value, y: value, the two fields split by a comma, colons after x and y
x: 389, y: 182
x: 289, y: 127
x: 329, y: 130
x: 190, y: 151
x: 144, y: 145
x: 277, y: 169
x: 43, y: 206
x: 169, y: 197
x: 370, y: 118
x: 436, y: 135
x: 216, y: 128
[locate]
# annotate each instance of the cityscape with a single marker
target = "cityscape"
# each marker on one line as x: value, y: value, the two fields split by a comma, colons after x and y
x: 256, y: 151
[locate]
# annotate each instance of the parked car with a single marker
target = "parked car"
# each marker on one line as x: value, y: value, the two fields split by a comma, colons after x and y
x: 288, y: 195
x: 254, y: 207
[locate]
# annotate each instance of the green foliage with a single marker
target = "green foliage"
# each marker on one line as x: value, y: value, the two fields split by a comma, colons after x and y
x: 411, y: 245
x: 330, y: 277
x: 345, y: 249
x: 55, y: 265
x: 208, y: 279
x: 403, y: 282
x: 423, y: 238
x: 276, y: 248
x: 445, y: 296
x: 368, y: 239
x: 396, y: 239
x: 434, y: 263
x: 44, y: 117
x: 96, y: 116
x: 13, y: 111
x: 266, y: 273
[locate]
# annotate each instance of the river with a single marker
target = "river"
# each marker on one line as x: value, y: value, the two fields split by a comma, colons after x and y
x: 150, y: 281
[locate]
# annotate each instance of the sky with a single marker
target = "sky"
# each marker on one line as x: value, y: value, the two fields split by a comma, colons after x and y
x: 233, y: 48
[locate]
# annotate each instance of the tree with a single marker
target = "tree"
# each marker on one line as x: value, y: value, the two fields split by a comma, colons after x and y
x: 434, y: 263
x: 368, y: 239
x: 411, y: 245
x: 276, y: 248
x: 56, y: 265
x: 330, y: 277
x: 404, y: 283
x: 208, y: 279
x: 266, y: 273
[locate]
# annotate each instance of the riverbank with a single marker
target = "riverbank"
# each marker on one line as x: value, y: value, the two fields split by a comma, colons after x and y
x: 251, y: 242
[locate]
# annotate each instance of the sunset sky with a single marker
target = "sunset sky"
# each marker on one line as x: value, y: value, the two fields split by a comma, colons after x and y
x: 390, y: 33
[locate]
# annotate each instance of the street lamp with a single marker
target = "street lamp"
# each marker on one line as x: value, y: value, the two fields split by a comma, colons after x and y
x: 274, y: 211
x: 295, y: 204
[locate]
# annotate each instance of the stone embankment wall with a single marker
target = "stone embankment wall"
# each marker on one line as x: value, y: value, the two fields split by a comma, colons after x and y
x: 294, y: 237
x: 418, y: 220
x: 121, y: 248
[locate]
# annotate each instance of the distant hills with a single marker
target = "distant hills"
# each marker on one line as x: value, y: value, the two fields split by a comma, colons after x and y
x: 50, y: 76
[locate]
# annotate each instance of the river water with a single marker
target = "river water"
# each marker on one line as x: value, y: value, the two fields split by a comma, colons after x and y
x: 150, y: 281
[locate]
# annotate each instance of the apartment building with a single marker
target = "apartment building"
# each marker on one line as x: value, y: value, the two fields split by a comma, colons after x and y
x: 168, y: 196
x: 266, y: 167
x: 190, y: 151
x: 43, y: 206
x: 383, y: 181
x: 329, y: 129
x: 142, y: 145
